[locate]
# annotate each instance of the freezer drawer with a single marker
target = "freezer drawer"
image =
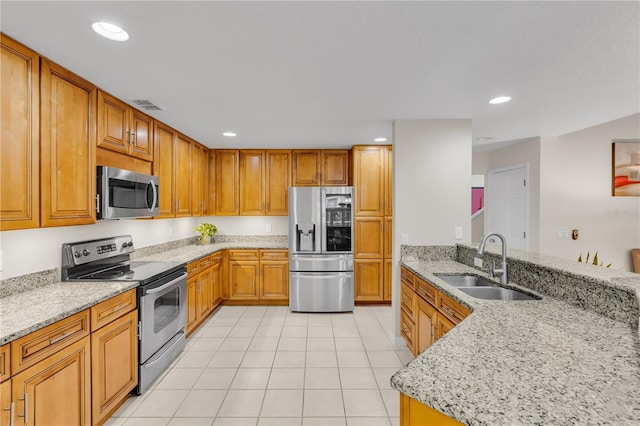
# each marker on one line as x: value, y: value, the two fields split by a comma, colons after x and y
x: 321, y: 263
x: 321, y: 291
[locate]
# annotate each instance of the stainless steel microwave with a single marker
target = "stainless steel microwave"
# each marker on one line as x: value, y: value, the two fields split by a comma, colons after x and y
x: 123, y: 194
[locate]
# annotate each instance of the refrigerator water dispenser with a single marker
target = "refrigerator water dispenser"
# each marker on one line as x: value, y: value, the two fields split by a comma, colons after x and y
x: 306, y: 236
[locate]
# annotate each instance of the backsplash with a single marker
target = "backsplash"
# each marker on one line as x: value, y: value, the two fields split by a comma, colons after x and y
x: 427, y: 253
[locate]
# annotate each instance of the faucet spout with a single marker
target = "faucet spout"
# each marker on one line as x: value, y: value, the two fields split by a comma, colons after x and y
x: 502, y: 272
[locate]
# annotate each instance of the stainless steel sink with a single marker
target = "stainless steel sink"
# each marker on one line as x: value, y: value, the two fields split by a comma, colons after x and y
x: 466, y: 280
x: 495, y: 293
x: 482, y: 288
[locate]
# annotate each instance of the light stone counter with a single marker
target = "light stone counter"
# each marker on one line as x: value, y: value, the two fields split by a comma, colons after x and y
x: 26, y: 312
x: 190, y: 253
x: 542, y: 362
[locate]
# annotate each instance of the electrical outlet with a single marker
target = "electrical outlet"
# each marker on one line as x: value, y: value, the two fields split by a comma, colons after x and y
x: 268, y: 229
x: 404, y: 239
x: 477, y: 262
x: 458, y: 232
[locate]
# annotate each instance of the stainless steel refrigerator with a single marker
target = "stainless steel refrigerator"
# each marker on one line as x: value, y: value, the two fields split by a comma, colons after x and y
x: 321, y: 249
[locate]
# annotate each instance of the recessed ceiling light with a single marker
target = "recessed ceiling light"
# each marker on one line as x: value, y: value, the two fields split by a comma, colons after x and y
x: 500, y: 100
x: 110, y: 31
x: 483, y: 139
x: 229, y: 134
x: 380, y: 140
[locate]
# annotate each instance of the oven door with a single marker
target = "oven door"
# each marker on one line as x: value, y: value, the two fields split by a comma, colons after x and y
x: 162, y: 312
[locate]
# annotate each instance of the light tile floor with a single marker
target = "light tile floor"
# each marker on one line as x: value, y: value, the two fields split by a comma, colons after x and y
x: 259, y: 365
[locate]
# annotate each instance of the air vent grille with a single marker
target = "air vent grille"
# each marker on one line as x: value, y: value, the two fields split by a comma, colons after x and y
x: 146, y: 105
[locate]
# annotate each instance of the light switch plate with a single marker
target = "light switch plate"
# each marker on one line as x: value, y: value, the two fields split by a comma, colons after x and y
x: 477, y: 262
x: 458, y: 231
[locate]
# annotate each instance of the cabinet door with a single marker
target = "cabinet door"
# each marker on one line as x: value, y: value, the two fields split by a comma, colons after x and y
x: 56, y: 391
x: 193, y: 303
x: 204, y: 179
x: 277, y: 182
x: 5, y: 403
x: 335, y: 167
x: 165, y: 139
x: 368, y: 234
x: 307, y: 167
x: 114, y: 364
x: 443, y: 326
x: 426, y: 321
x: 206, y: 293
x: 227, y: 192
x: 20, y: 143
x: 388, y: 181
x: 243, y: 280
x: 408, y: 331
x: 274, y: 280
x: 216, y: 283
x: 252, y: 182
x: 142, y: 134
x: 196, y: 181
x: 68, y: 157
x: 413, y: 412
x: 368, y: 280
x: 388, y: 271
x: 368, y: 180
x: 113, y: 123
x: 388, y: 238
x: 182, y: 171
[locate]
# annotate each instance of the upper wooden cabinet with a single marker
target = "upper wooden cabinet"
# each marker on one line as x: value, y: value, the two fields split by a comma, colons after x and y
x: 20, y: 143
x: 67, y: 163
x: 388, y: 182
x: 227, y: 185
x: 124, y: 129
x: 165, y: 140
x: 182, y: 175
x: 199, y: 179
x: 277, y: 182
x: 315, y: 167
x: 368, y: 180
x: 335, y: 167
x: 252, y: 179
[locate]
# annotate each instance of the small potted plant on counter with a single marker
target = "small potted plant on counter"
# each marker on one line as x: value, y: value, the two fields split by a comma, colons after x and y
x: 206, y: 230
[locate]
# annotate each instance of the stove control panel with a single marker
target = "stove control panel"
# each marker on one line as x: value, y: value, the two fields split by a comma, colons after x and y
x: 89, y: 251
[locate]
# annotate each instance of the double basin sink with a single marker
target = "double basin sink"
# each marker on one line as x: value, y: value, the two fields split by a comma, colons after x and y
x: 481, y: 288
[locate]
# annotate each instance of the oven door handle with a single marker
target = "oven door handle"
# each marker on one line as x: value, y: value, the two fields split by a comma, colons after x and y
x: 165, y: 286
x: 155, y: 196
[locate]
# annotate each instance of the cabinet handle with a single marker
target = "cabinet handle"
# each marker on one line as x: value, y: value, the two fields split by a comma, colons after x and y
x: 177, y: 205
x: 117, y: 308
x: 64, y: 336
x: 132, y: 137
x: 450, y: 312
x: 26, y: 409
x: 10, y: 410
x: 97, y: 204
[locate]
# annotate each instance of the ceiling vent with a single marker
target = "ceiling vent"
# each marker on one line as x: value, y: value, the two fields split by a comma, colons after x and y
x: 146, y: 104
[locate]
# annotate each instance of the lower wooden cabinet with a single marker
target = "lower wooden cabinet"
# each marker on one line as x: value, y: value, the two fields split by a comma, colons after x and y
x: 426, y: 321
x: 57, y: 390
x: 114, y: 364
x: 387, y: 280
x: 413, y: 412
x: 243, y: 279
x: 204, y: 291
x: 274, y: 283
x: 193, y: 304
x: 259, y: 276
x: 368, y: 280
x: 443, y: 326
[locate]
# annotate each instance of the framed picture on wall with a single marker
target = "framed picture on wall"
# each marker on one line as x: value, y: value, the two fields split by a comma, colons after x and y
x: 626, y: 168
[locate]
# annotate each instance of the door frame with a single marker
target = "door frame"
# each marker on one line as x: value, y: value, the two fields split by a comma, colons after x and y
x: 489, y: 198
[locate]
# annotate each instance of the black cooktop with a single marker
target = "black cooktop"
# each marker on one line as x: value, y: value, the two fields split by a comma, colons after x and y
x: 144, y: 272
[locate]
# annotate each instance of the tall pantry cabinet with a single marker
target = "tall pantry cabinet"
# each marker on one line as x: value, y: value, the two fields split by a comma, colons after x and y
x: 372, y: 183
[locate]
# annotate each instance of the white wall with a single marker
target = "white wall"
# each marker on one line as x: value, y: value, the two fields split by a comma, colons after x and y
x: 33, y: 250
x: 432, y: 187
x: 575, y: 193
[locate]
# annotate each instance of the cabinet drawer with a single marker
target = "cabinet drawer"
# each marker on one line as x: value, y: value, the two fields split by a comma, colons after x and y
x: 216, y: 257
x: 451, y: 309
x: 243, y: 255
x: 407, y: 277
x: 408, y: 330
x: 107, y: 311
x: 192, y: 268
x: 407, y: 300
x: 426, y: 291
x: 274, y: 255
x: 5, y: 362
x: 204, y: 263
x: 38, y: 345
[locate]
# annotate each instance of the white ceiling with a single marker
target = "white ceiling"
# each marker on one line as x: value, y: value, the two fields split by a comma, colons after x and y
x: 334, y: 74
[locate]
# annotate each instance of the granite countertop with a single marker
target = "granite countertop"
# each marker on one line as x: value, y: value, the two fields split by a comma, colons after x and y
x: 26, y: 312
x: 539, y: 362
x: 190, y: 253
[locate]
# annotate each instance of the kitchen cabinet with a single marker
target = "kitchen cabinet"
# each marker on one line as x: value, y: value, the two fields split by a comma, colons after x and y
x: 307, y: 167
x: 227, y: 182
x: 163, y: 166
x: 335, y: 167
x: 429, y: 311
x: 193, y: 304
x: 413, y: 412
x: 387, y: 235
x: 371, y: 245
x: 67, y: 148
x: 20, y: 146
x: 114, y: 363
x: 199, y: 179
x: 124, y: 129
x: 277, y: 182
x: 182, y: 175
x: 244, y: 274
x: 252, y: 180
x: 274, y: 275
x: 368, y: 274
x: 6, y: 410
x: 387, y: 279
x: 369, y: 180
x: 388, y: 181
x: 203, y: 289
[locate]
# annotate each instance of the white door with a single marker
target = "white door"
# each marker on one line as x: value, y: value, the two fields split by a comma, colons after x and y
x: 507, y: 204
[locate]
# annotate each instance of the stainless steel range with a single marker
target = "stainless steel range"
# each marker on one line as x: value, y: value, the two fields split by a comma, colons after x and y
x: 162, y: 296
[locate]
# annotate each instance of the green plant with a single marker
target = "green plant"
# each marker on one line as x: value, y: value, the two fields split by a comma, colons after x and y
x: 205, y: 230
x: 595, y: 260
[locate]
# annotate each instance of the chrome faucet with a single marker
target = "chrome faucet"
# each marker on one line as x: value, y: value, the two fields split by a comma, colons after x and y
x: 502, y: 272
